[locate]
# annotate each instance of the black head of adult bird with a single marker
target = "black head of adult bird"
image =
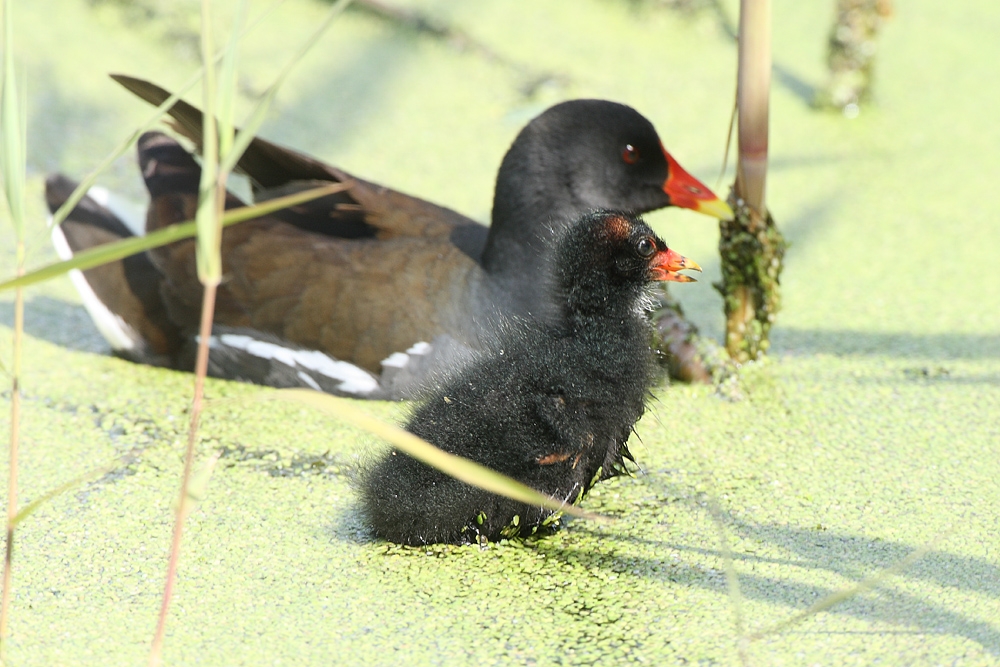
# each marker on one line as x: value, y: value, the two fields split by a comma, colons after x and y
x: 368, y: 291
x: 550, y: 405
x: 576, y: 157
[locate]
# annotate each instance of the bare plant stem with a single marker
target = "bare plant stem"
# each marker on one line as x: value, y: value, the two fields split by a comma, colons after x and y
x: 15, y: 427
x: 201, y: 370
x: 751, y: 248
x: 753, y: 94
x: 209, y: 222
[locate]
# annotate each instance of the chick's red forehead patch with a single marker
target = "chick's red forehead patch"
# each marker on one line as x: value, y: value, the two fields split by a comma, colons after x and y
x: 617, y: 227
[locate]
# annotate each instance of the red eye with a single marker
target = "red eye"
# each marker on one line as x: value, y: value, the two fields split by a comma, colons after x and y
x: 630, y: 154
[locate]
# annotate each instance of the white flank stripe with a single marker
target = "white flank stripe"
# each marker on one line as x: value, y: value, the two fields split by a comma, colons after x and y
x: 396, y: 360
x: 419, y: 348
x: 130, y: 213
x: 235, y: 340
x: 309, y: 381
x: 213, y: 342
x: 120, y: 336
x: 259, y: 348
x: 353, y: 380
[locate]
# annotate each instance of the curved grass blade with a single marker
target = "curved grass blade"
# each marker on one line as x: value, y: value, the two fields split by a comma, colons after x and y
x: 156, y: 115
x: 456, y: 466
x: 111, y: 252
x: 197, y: 489
x: 12, y: 133
x: 208, y: 254
x: 862, y: 586
x: 227, y: 83
x: 256, y: 118
x: 38, y: 502
x: 12, y: 160
x: 211, y: 204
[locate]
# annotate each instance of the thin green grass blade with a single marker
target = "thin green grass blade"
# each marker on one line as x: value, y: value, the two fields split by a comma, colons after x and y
x: 152, y: 119
x: 209, y: 237
x: 197, y: 489
x: 89, y: 180
x: 38, y: 502
x: 12, y: 131
x: 456, y: 466
x: 862, y: 586
x: 732, y: 577
x: 111, y: 252
x: 257, y: 116
x: 227, y: 83
x: 12, y: 160
x: 208, y: 223
x: 717, y: 516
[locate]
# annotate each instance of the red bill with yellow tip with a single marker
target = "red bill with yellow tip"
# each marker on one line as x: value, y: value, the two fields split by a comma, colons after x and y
x: 686, y: 191
x: 666, y: 263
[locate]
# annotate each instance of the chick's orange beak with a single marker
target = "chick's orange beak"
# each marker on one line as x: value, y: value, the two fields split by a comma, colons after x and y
x: 686, y: 191
x: 666, y: 263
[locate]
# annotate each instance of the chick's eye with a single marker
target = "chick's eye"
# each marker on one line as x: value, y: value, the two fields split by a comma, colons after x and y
x: 630, y: 154
x: 645, y: 247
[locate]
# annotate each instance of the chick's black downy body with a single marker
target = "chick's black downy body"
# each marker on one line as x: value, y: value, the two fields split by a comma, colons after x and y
x: 551, y: 405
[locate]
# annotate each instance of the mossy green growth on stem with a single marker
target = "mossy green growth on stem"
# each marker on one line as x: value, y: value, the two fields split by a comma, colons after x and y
x: 751, y: 251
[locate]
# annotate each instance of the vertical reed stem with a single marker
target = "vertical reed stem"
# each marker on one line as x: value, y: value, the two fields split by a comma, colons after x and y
x: 15, y: 427
x: 753, y: 92
x: 211, y: 202
x: 201, y: 369
x: 751, y: 248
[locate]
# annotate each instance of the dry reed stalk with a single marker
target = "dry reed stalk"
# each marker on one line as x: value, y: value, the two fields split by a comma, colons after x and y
x: 751, y: 248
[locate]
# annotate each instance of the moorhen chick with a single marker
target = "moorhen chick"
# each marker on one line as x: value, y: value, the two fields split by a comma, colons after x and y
x: 368, y: 291
x: 550, y: 405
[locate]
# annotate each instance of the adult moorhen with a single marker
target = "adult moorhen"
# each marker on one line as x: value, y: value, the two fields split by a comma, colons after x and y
x: 550, y: 406
x: 367, y: 291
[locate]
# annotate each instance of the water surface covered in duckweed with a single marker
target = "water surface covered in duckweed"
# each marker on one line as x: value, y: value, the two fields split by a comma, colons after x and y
x: 871, y: 431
